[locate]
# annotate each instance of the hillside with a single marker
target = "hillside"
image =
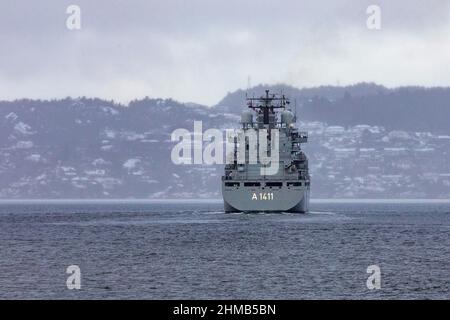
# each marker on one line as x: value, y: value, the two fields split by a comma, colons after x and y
x: 406, y: 108
x: 372, y: 142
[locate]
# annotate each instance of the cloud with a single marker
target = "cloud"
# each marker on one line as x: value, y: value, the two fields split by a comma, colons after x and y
x: 198, y: 50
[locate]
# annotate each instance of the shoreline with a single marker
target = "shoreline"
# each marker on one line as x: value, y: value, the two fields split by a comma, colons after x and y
x: 181, y: 201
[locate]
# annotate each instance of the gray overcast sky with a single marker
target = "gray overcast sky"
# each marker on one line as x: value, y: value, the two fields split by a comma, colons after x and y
x: 197, y: 50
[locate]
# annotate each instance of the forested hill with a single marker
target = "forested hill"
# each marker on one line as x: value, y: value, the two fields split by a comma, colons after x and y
x: 405, y: 108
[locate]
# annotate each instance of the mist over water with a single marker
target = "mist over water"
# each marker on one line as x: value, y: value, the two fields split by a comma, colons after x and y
x: 152, y: 250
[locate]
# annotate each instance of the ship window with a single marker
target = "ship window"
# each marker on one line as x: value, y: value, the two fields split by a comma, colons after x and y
x: 231, y: 184
x: 252, y: 184
x: 274, y: 184
x: 294, y: 184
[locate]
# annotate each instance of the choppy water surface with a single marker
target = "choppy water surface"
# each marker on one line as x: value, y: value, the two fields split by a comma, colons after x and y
x: 144, y: 250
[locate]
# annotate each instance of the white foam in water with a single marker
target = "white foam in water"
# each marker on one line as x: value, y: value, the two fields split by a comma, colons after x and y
x: 322, y: 212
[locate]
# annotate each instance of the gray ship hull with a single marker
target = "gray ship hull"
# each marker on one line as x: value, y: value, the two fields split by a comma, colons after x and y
x: 252, y: 182
x: 264, y: 200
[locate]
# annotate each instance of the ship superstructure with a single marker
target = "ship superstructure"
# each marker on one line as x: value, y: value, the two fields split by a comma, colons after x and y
x: 249, y: 186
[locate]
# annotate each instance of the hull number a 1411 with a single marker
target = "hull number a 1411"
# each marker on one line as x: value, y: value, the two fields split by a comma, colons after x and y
x: 262, y: 196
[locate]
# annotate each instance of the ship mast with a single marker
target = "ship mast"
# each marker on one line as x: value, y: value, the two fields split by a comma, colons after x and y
x: 267, y: 104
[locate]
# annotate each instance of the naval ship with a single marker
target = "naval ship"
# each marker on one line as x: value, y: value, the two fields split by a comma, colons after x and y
x: 245, y: 185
